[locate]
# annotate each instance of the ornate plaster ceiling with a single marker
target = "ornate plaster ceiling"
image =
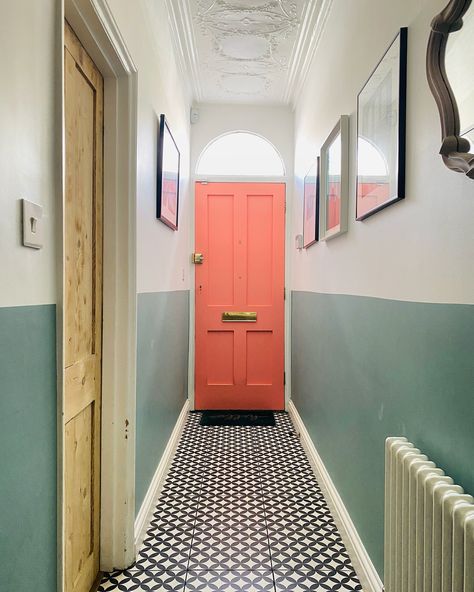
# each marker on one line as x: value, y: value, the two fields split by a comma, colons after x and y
x: 250, y: 51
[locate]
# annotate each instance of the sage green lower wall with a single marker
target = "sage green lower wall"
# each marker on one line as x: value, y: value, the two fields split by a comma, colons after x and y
x: 366, y: 368
x: 28, y: 424
x: 162, y: 371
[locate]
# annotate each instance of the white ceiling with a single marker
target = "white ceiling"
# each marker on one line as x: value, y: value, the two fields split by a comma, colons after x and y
x: 250, y: 51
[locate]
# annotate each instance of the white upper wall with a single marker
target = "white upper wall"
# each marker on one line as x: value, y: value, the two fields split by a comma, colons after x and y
x: 422, y: 248
x: 29, y: 146
x: 273, y: 123
x: 163, y: 256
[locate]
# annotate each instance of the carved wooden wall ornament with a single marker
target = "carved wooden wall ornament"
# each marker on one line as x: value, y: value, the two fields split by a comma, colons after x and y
x: 455, y: 149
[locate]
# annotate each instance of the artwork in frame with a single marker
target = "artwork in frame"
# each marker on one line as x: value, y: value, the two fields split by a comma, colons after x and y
x: 167, y: 200
x: 381, y: 131
x: 311, y: 206
x: 334, y: 181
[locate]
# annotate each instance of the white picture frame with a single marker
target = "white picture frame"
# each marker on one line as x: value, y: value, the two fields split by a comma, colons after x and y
x: 334, y: 185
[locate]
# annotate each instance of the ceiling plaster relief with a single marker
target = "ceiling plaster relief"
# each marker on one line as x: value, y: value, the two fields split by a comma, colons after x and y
x: 248, y: 43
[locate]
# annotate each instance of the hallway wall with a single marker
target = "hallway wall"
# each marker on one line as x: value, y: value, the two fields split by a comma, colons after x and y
x: 29, y: 151
x: 163, y: 256
x: 382, y: 316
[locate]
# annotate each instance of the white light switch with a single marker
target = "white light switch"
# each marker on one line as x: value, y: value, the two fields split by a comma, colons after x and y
x: 32, y: 225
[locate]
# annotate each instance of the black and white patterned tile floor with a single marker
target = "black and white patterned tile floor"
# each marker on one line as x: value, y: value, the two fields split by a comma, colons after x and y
x: 240, y: 510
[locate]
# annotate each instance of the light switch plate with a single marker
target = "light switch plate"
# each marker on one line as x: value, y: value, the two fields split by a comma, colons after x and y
x: 32, y: 225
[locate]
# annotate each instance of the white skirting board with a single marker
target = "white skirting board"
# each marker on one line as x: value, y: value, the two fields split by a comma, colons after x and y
x: 145, y: 514
x: 364, y: 567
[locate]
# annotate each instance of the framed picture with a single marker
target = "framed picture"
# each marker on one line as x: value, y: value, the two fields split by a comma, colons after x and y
x: 334, y: 186
x: 311, y: 206
x: 381, y: 129
x: 167, y: 200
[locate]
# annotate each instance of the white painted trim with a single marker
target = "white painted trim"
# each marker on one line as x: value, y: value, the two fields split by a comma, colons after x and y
x: 95, y: 26
x: 145, y: 514
x: 192, y: 314
x: 289, y: 245
x: 239, y: 179
x: 363, y: 565
x: 313, y: 22
x: 181, y: 22
x: 61, y: 290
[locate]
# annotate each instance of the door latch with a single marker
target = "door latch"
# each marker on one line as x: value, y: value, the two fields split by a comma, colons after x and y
x: 198, y: 258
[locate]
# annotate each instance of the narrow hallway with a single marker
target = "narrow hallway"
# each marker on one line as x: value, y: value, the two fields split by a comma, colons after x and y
x: 240, y: 510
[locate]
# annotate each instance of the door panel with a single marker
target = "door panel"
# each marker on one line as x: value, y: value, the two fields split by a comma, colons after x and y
x: 220, y: 359
x: 220, y: 228
x: 83, y: 315
x: 240, y: 231
x: 260, y: 249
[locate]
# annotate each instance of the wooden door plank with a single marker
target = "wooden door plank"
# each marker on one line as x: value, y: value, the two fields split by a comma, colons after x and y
x: 83, y: 314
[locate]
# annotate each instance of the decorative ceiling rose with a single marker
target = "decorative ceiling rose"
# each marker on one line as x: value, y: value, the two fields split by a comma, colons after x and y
x: 248, y: 47
x: 246, y: 52
x: 246, y: 35
x: 248, y: 3
x: 231, y: 17
x: 270, y: 39
x: 244, y: 84
x: 260, y: 68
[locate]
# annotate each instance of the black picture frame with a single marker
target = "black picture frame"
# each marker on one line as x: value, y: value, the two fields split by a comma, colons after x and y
x: 168, y: 176
x: 363, y: 211
x: 311, y: 191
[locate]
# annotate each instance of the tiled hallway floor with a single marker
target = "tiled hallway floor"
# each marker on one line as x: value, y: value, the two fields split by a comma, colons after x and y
x: 240, y: 510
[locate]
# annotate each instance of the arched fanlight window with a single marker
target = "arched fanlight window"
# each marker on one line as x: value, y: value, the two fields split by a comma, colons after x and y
x: 240, y: 154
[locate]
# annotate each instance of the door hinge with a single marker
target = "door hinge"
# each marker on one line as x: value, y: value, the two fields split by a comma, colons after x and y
x: 284, y: 293
x: 284, y: 378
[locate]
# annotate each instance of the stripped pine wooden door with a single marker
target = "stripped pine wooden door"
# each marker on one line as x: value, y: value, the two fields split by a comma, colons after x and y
x: 83, y: 315
x: 240, y: 232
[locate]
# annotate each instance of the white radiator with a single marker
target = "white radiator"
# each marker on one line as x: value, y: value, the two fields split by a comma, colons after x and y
x: 429, y: 525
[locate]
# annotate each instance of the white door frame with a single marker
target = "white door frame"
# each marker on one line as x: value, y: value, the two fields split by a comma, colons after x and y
x: 192, y: 312
x: 97, y: 30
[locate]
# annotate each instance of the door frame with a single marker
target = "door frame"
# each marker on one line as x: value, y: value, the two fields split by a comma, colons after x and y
x: 192, y: 304
x: 97, y: 30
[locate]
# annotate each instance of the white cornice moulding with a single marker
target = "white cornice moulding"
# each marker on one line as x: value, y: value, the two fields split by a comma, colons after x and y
x: 185, y: 44
x: 313, y: 23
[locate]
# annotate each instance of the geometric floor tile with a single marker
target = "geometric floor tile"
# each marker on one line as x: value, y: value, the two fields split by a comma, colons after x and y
x: 317, y: 581
x: 131, y: 580
x: 240, y: 510
x: 250, y: 581
x: 164, y: 551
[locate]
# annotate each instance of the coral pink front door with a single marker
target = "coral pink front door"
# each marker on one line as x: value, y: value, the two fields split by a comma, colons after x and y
x: 240, y: 231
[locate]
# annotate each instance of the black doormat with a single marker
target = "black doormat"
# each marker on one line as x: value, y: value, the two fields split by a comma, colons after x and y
x: 237, y: 418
